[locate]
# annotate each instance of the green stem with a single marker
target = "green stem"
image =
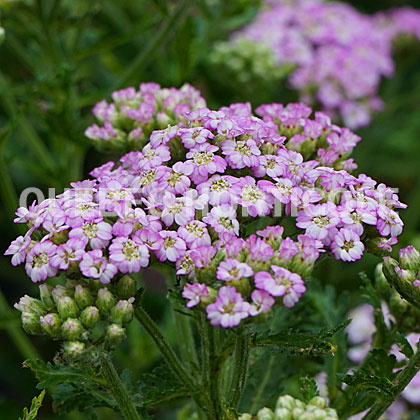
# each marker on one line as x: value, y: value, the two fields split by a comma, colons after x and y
x: 210, y: 365
x: 256, y: 401
x: 19, y: 338
x: 170, y: 357
x: 117, y: 389
x: 403, y: 378
x: 240, y: 367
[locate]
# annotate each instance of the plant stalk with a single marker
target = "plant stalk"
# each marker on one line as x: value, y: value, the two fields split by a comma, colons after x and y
x: 171, y: 358
x: 403, y: 378
x: 210, y: 365
x: 240, y: 367
x: 117, y: 389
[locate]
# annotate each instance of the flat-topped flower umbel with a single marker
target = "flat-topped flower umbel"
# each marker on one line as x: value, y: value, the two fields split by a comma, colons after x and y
x: 191, y: 199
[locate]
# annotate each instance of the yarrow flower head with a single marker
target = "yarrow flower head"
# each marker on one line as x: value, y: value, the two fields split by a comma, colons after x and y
x: 337, y: 65
x: 127, y: 122
x: 208, y: 197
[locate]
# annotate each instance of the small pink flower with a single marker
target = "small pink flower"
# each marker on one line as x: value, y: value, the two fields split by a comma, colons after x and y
x: 252, y: 197
x: 94, y: 265
x: 287, y: 249
x: 152, y: 240
x: 259, y: 250
x: 38, y: 261
x: 229, y: 308
x: 128, y: 255
x: 223, y: 219
x: 241, y: 154
x: 72, y: 250
x: 191, y: 137
x: 176, y: 209
x: 97, y: 234
x: 194, y: 293
x: 173, y: 247
x: 318, y: 219
x: 232, y: 269
x: 194, y: 234
x: 202, y: 162
x: 270, y: 165
x: 202, y: 255
x: 261, y: 302
x: 218, y: 189
x: 347, y: 246
x: 283, y: 283
x: 18, y: 248
x: 176, y: 180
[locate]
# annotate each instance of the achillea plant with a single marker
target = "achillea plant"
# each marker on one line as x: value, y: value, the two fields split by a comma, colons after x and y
x: 338, y: 66
x: 239, y: 210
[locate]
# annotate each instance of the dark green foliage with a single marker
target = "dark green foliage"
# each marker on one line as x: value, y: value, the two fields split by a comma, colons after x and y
x: 298, y: 342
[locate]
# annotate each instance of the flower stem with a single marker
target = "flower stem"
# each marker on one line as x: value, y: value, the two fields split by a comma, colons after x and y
x: 403, y: 378
x: 240, y: 368
x: 210, y: 365
x: 117, y: 389
x: 171, y: 358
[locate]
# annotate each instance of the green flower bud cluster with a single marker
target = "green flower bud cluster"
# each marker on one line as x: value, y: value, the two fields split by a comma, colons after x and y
x: 80, y: 315
x: 404, y: 276
x: 289, y: 408
x: 248, y: 60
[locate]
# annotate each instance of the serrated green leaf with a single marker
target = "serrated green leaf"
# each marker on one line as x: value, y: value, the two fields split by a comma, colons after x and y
x: 404, y: 345
x: 69, y: 397
x: 51, y: 374
x: 36, y: 404
x: 374, y: 380
x: 159, y: 386
x: 72, y: 387
x: 301, y: 342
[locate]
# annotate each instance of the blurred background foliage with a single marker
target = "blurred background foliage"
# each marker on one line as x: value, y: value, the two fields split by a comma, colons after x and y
x: 59, y: 57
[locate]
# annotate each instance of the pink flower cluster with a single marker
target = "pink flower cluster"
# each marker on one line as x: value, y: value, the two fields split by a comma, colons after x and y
x: 127, y: 122
x: 339, y: 54
x: 191, y: 197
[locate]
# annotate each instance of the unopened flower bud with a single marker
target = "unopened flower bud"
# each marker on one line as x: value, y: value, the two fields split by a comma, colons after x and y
x: 245, y: 416
x: 73, y: 349
x: 105, y: 300
x: 2, y: 34
x: 67, y: 307
x: 265, y: 414
x: 126, y: 287
x: 409, y: 258
x: 123, y: 311
x: 90, y: 316
x: 46, y: 296
x: 381, y: 283
x: 115, y: 334
x: 31, y: 323
x: 286, y: 401
x: 283, y: 414
x: 72, y: 329
x: 82, y: 296
x: 58, y: 292
x: 318, y: 402
x: 29, y: 304
x: 397, y: 304
x: 51, y: 324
